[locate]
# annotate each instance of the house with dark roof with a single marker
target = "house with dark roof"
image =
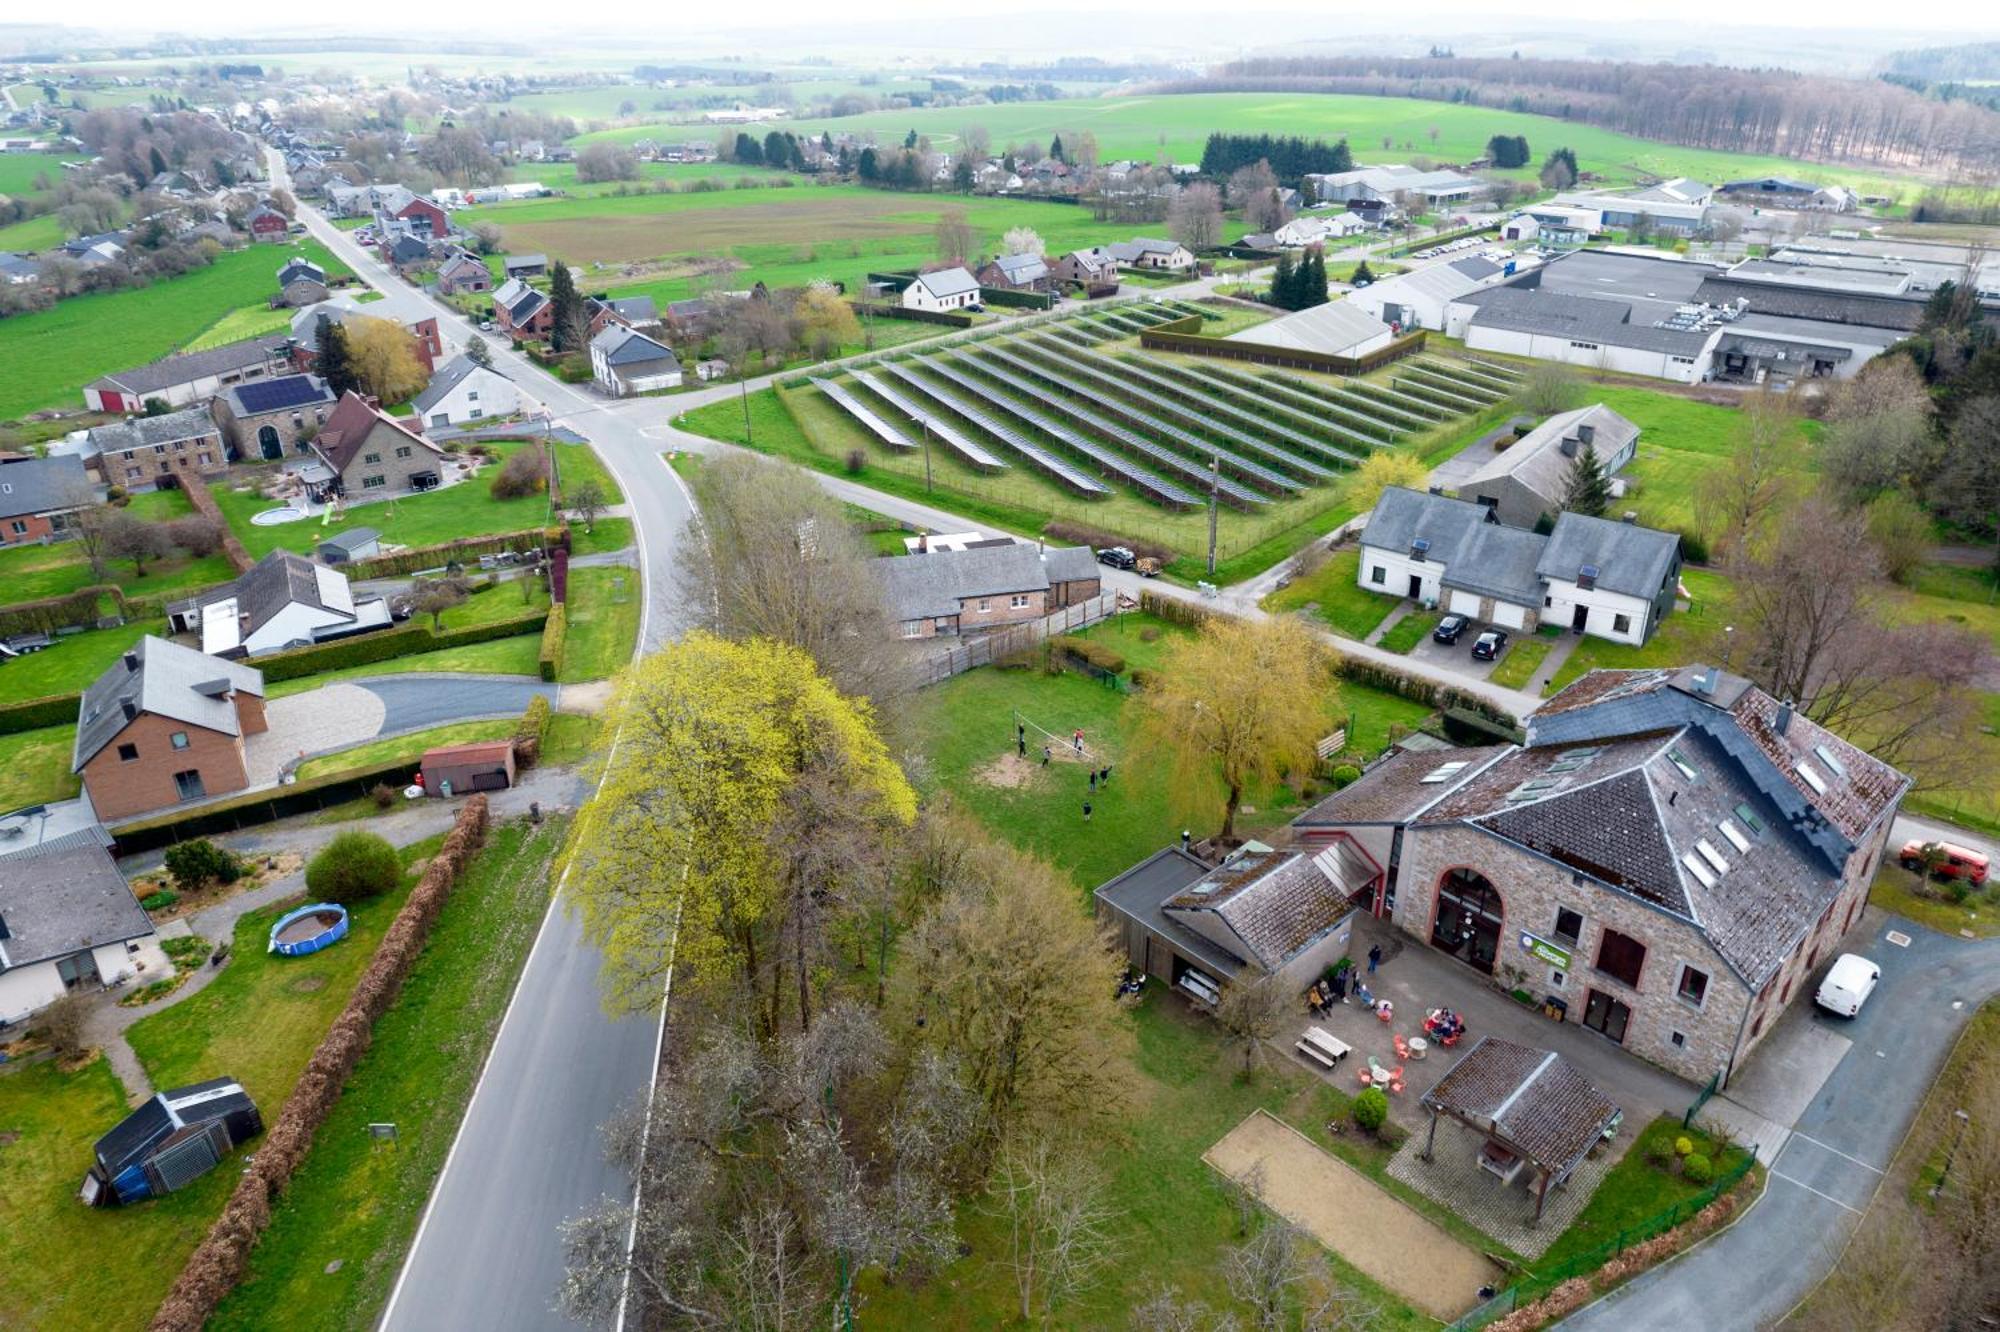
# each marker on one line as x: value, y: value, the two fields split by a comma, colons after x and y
x: 1198, y: 926
x: 165, y: 724
x: 365, y: 452
x: 625, y: 361
x: 463, y: 391
x: 268, y: 419
x: 151, y: 452
x: 407, y: 252
x: 70, y: 924
x: 1667, y: 859
x: 521, y: 311
x: 946, y: 289
x: 1527, y: 481
x: 1615, y: 580
x: 266, y: 225
x: 282, y: 601
x: 39, y: 498
x: 462, y: 272
x: 988, y: 585
x: 180, y: 381
x: 1015, y: 272
x: 301, y: 282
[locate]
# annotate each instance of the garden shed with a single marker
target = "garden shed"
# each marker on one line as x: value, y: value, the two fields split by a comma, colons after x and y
x: 462, y: 769
x: 170, y: 1141
x: 358, y: 543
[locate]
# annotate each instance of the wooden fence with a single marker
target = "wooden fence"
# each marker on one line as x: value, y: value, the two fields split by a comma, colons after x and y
x: 937, y: 667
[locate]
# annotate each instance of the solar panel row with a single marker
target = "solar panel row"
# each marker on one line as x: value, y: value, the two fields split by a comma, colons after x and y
x: 944, y: 430
x: 1279, y: 391
x: 1034, y: 453
x: 855, y: 408
x: 1366, y: 429
x: 1209, y: 402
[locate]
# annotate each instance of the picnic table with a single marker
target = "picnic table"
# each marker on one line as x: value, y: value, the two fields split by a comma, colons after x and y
x: 1323, y: 1047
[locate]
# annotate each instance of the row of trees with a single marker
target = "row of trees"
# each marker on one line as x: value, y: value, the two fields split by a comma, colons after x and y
x: 1291, y: 157
x: 376, y: 357
x: 1299, y: 285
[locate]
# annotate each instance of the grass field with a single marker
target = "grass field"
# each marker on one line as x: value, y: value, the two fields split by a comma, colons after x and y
x: 19, y: 170
x: 252, y: 321
x: 34, y: 767
x: 1335, y: 596
x: 51, y: 355
x: 1175, y: 126
x: 1635, y: 1190
x: 32, y: 572
x: 603, y: 610
x: 519, y: 655
x: 68, y: 664
x: 36, y: 233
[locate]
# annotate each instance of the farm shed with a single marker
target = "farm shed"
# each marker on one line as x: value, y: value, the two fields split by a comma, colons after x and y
x: 357, y: 543
x: 170, y: 1141
x: 459, y: 769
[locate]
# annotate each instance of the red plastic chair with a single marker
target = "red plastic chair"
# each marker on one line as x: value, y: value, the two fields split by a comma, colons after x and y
x: 1365, y: 1079
x: 1402, y: 1047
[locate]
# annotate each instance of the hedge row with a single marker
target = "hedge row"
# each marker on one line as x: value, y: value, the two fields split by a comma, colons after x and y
x: 422, y: 559
x: 204, y: 504
x: 555, y: 635
x: 1022, y: 300
x: 881, y: 310
x: 534, y: 729
x: 1097, y: 539
x: 387, y: 645
x: 1091, y: 653
x: 1173, y: 610
x: 255, y: 807
x: 220, y: 1262
x: 53, y: 613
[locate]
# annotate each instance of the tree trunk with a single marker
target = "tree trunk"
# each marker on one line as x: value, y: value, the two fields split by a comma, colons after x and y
x: 799, y: 961
x: 1229, y: 813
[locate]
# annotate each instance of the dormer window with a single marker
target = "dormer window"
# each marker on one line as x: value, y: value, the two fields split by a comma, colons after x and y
x: 1586, y: 578
x: 1419, y: 548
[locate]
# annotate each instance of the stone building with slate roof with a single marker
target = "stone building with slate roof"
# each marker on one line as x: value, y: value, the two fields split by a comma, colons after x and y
x: 943, y: 592
x: 1667, y: 859
x: 1529, y: 479
x: 163, y: 725
x: 147, y: 452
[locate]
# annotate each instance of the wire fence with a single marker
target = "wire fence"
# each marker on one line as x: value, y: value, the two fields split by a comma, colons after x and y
x: 1535, y: 1284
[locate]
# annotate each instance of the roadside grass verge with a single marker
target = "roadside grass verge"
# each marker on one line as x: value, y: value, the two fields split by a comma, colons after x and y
x: 1905, y: 893
x: 602, y: 538
x: 603, y: 611
x: 1409, y: 631
x: 1332, y: 594
x: 411, y: 743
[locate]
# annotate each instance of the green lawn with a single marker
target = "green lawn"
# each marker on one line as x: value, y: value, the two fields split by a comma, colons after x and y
x: 1635, y: 1190
x: 35, y: 767
x: 356, y: 1200
x: 1522, y: 659
x: 1409, y: 631
x: 502, y: 601
x: 252, y: 321
x: 603, y: 611
x: 32, y: 572
x: 1901, y: 891
x: 572, y: 738
x: 37, y: 233
x: 51, y: 355
x: 1683, y: 637
x: 601, y: 538
x: 519, y: 655
x: 1335, y: 597
x: 412, y: 744
x: 70, y: 663
x: 19, y: 170
x: 578, y: 463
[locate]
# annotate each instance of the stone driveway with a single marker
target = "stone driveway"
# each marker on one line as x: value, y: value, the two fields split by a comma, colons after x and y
x: 330, y: 717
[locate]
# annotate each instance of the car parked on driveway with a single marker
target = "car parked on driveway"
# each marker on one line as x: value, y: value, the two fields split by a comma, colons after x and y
x: 1117, y: 557
x: 1489, y: 645
x: 1449, y: 629
x: 1848, y: 984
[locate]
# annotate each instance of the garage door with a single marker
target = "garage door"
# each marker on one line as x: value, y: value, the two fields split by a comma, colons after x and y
x: 1509, y: 616
x: 1465, y: 603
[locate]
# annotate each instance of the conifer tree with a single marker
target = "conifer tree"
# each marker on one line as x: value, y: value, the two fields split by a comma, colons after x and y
x: 566, y: 329
x: 333, y: 365
x: 1588, y: 489
x: 1283, y: 283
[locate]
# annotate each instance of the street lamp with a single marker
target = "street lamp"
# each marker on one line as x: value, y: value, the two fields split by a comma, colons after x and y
x: 1945, y: 1174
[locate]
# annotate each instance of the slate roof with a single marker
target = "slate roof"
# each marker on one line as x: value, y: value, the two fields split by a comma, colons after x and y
x: 1536, y: 460
x: 948, y: 282
x: 348, y: 427
x: 168, y: 680
x: 1529, y: 1099
x: 1333, y: 328
x: 1071, y: 564
x: 1630, y: 559
x: 409, y: 250
x: 635, y: 309
x: 353, y: 539
x: 1403, y: 516
x: 1396, y: 790
x: 41, y: 485
x: 305, y: 324
x: 448, y: 377
x: 141, y: 431
x: 278, y: 580
x: 520, y: 300
x: 925, y: 586
x: 621, y: 346
x: 1271, y: 904
x: 1022, y: 268
x: 61, y: 901
x: 459, y: 260
x: 1499, y: 561
x: 276, y: 395
x: 300, y: 269
x: 189, y: 367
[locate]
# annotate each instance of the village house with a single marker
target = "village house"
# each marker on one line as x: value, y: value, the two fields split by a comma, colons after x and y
x: 1526, y: 483
x: 461, y: 272
x: 1015, y: 272
x: 69, y: 924
x: 625, y: 361
x: 39, y: 498
x: 423, y: 217
x: 946, y: 289
x: 425, y: 338
x: 301, y: 282
x: 463, y: 391
x: 165, y: 724
x: 988, y: 585
x: 154, y: 452
x: 282, y: 601
x: 192, y: 377
x: 1614, y: 580
x: 1087, y: 268
x: 271, y: 418
x: 1664, y: 861
x: 1149, y: 252
x: 522, y: 312
x: 266, y: 225
x: 364, y: 453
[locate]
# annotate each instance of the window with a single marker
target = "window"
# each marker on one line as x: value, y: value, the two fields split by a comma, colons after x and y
x: 913, y: 628
x: 1569, y: 925
x: 1750, y: 819
x: 1621, y: 624
x: 1019, y: 601
x: 1378, y: 574
x: 179, y: 739
x: 374, y: 482
x: 202, y: 458
x: 439, y: 419
x: 159, y: 448
x: 371, y: 457
x: 1557, y: 980
x: 188, y: 785
x: 985, y: 604
x: 131, y: 474
x: 19, y: 528
x: 403, y: 452
x: 1621, y: 957
x: 1693, y: 986
x: 1678, y: 1040
x: 127, y: 753
x: 472, y: 396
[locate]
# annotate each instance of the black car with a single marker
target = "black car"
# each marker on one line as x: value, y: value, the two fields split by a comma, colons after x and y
x: 1449, y: 628
x: 1490, y: 645
x: 1117, y: 557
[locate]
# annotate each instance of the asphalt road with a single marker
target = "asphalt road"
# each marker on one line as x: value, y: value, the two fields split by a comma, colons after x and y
x: 412, y: 702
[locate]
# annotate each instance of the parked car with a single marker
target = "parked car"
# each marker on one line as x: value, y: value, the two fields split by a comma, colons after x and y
x: 1449, y: 628
x: 1848, y: 984
x: 1117, y: 557
x: 1959, y: 862
x: 1489, y: 645
x: 486, y: 326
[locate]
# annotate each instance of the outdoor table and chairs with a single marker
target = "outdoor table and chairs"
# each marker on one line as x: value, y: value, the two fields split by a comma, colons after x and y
x: 1323, y: 1047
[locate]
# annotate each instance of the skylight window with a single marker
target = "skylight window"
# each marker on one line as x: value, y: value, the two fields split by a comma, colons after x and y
x: 1576, y: 758
x: 1586, y: 577
x: 1750, y: 819
x: 1712, y: 856
x: 1443, y: 772
x: 1735, y: 835
x: 1811, y: 776
x: 1679, y: 760
x: 1699, y: 870
x: 1832, y: 762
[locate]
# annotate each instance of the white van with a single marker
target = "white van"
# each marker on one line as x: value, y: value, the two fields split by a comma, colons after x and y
x: 1848, y: 985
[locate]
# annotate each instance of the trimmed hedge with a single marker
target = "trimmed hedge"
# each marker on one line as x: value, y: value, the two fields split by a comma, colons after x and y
x: 422, y: 559
x: 1173, y: 610
x: 255, y: 807
x: 882, y: 310
x: 534, y: 728
x: 220, y: 1261
x: 386, y: 646
x: 555, y: 635
x: 1021, y: 300
x: 31, y: 714
x: 1091, y: 653
x: 53, y: 613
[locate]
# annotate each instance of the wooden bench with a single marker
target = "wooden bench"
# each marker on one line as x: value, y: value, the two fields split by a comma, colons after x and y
x: 1322, y: 1047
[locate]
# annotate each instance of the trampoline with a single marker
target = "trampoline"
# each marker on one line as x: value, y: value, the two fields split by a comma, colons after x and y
x: 309, y: 929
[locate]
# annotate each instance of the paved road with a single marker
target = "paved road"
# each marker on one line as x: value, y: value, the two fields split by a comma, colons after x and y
x: 413, y: 702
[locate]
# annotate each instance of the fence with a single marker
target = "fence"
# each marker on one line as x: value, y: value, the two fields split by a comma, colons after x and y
x: 1179, y: 335
x: 989, y: 648
x: 1701, y: 1099
x: 1534, y: 1285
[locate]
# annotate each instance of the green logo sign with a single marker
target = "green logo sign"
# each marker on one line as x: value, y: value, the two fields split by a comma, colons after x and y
x: 1546, y: 951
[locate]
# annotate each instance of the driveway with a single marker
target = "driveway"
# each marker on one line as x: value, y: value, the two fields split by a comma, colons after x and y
x: 1456, y: 658
x: 331, y: 717
x: 413, y: 702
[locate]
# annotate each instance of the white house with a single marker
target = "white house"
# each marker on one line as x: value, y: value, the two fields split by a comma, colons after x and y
x: 946, y: 289
x: 1151, y: 252
x: 69, y: 922
x: 1313, y: 228
x: 625, y: 361
x: 463, y: 391
x: 1609, y: 579
x: 1419, y: 299
x: 283, y: 600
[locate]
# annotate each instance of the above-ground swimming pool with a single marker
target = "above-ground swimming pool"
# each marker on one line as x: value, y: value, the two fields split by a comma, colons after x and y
x: 272, y: 517
x: 309, y: 929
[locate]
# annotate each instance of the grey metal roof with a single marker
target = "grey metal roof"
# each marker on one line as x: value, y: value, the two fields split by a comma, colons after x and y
x: 39, y: 485
x: 1629, y: 558
x: 1333, y: 328
x: 1403, y: 516
x: 514, y: 261
x: 60, y: 902
x: 1606, y: 321
x: 191, y: 366
x: 143, y: 431
x: 1141, y: 892
x: 167, y: 679
x: 948, y: 282
x: 354, y: 538
x: 1537, y: 461
x: 638, y: 309
x: 916, y: 587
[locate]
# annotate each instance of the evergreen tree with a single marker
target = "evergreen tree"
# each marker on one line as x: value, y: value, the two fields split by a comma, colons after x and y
x: 1284, y: 285
x: 333, y: 365
x: 1312, y: 279
x: 826, y: 141
x: 748, y: 151
x: 1363, y: 275
x: 961, y: 176
x: 1588, y: 489
x: 1056, y: 149
x: 159, y: 161
x: 910, y: 141
x: 566, y: 330
x: 868, y: 168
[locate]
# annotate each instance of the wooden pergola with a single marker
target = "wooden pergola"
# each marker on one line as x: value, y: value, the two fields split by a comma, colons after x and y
x: 1533, y: 1108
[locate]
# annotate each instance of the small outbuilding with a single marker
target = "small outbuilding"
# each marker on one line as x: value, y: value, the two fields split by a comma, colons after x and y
x: 357, y: 543
x: 487, y: 765
x: 170, y: 1141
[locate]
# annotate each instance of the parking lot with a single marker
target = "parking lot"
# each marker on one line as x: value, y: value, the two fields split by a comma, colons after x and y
x: 1458, y: 656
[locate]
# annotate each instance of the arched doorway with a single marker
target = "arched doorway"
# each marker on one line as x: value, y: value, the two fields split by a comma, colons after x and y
x: 1469, y: 918
x: 269, y: 444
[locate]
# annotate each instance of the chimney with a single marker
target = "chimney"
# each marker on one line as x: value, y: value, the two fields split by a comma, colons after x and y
x: 132, y: 659
x: 1586, y: 433
x: 129, y: 708
x: 1704, y: 681
x: 1784, y: 722
x: 1568, y: 447
x: 1437, y: 490
x: 923, y: 543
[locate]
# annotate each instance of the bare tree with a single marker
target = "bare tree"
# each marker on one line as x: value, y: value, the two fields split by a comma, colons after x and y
x: 1195, y: 216
x: 1263, y: 1272
x: 1169, y: 1310
x: 586, y: 502
x: 955, y: 237
x: 1057, y: 1222
x: 435, y: 596
x: 1254, y: 1008
x: 1546, y: 388
x: 1967, y: 487
x: 128, y: 538
x: 1739, y: 497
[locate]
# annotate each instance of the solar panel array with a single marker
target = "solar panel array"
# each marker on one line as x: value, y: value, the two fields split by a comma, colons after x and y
x: 944, y: 430
x: 1365, y: 432
x: 1208, y: 402
x: 855, y: 408
x: 1280, y: 391
x: 1472, y: 386
x: 1034, y: 453
x: 274, y: 395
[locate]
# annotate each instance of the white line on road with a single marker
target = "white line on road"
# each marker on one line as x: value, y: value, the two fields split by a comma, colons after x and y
x: 1779, y: 1174
x: 1837, y: 1152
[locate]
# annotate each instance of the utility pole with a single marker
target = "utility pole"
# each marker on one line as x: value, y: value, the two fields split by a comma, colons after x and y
x: 1945, y: 1174
x: 743, y: 383
x: 1214, y: 484
x: 927, y: 454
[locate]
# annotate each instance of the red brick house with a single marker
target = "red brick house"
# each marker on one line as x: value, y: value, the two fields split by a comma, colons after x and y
x: 521, y: 311
x: 40, y: 496
x: 426, y: 218
x: 461, y: 272
x: 267, y: 225
x: 165, y: 724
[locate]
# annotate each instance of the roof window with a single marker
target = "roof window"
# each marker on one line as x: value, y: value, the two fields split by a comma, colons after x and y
x: 1734, y: 834
x: 1699, y: 870
x: 1811, y: 777
x: 1832, y: 762
x: 1712, y: 856
x: 1679, y: 760
x: 1419, y: 548
x: 1573, y: 759
x: 1750, y: 819
x: 1443, y: 772
x: 1586, y: 577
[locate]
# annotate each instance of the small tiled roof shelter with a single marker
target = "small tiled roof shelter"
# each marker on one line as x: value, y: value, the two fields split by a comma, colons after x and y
x: 1528, y: 1101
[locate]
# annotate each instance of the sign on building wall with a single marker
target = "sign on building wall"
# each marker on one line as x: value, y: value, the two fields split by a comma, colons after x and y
x: 1555, y: 956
